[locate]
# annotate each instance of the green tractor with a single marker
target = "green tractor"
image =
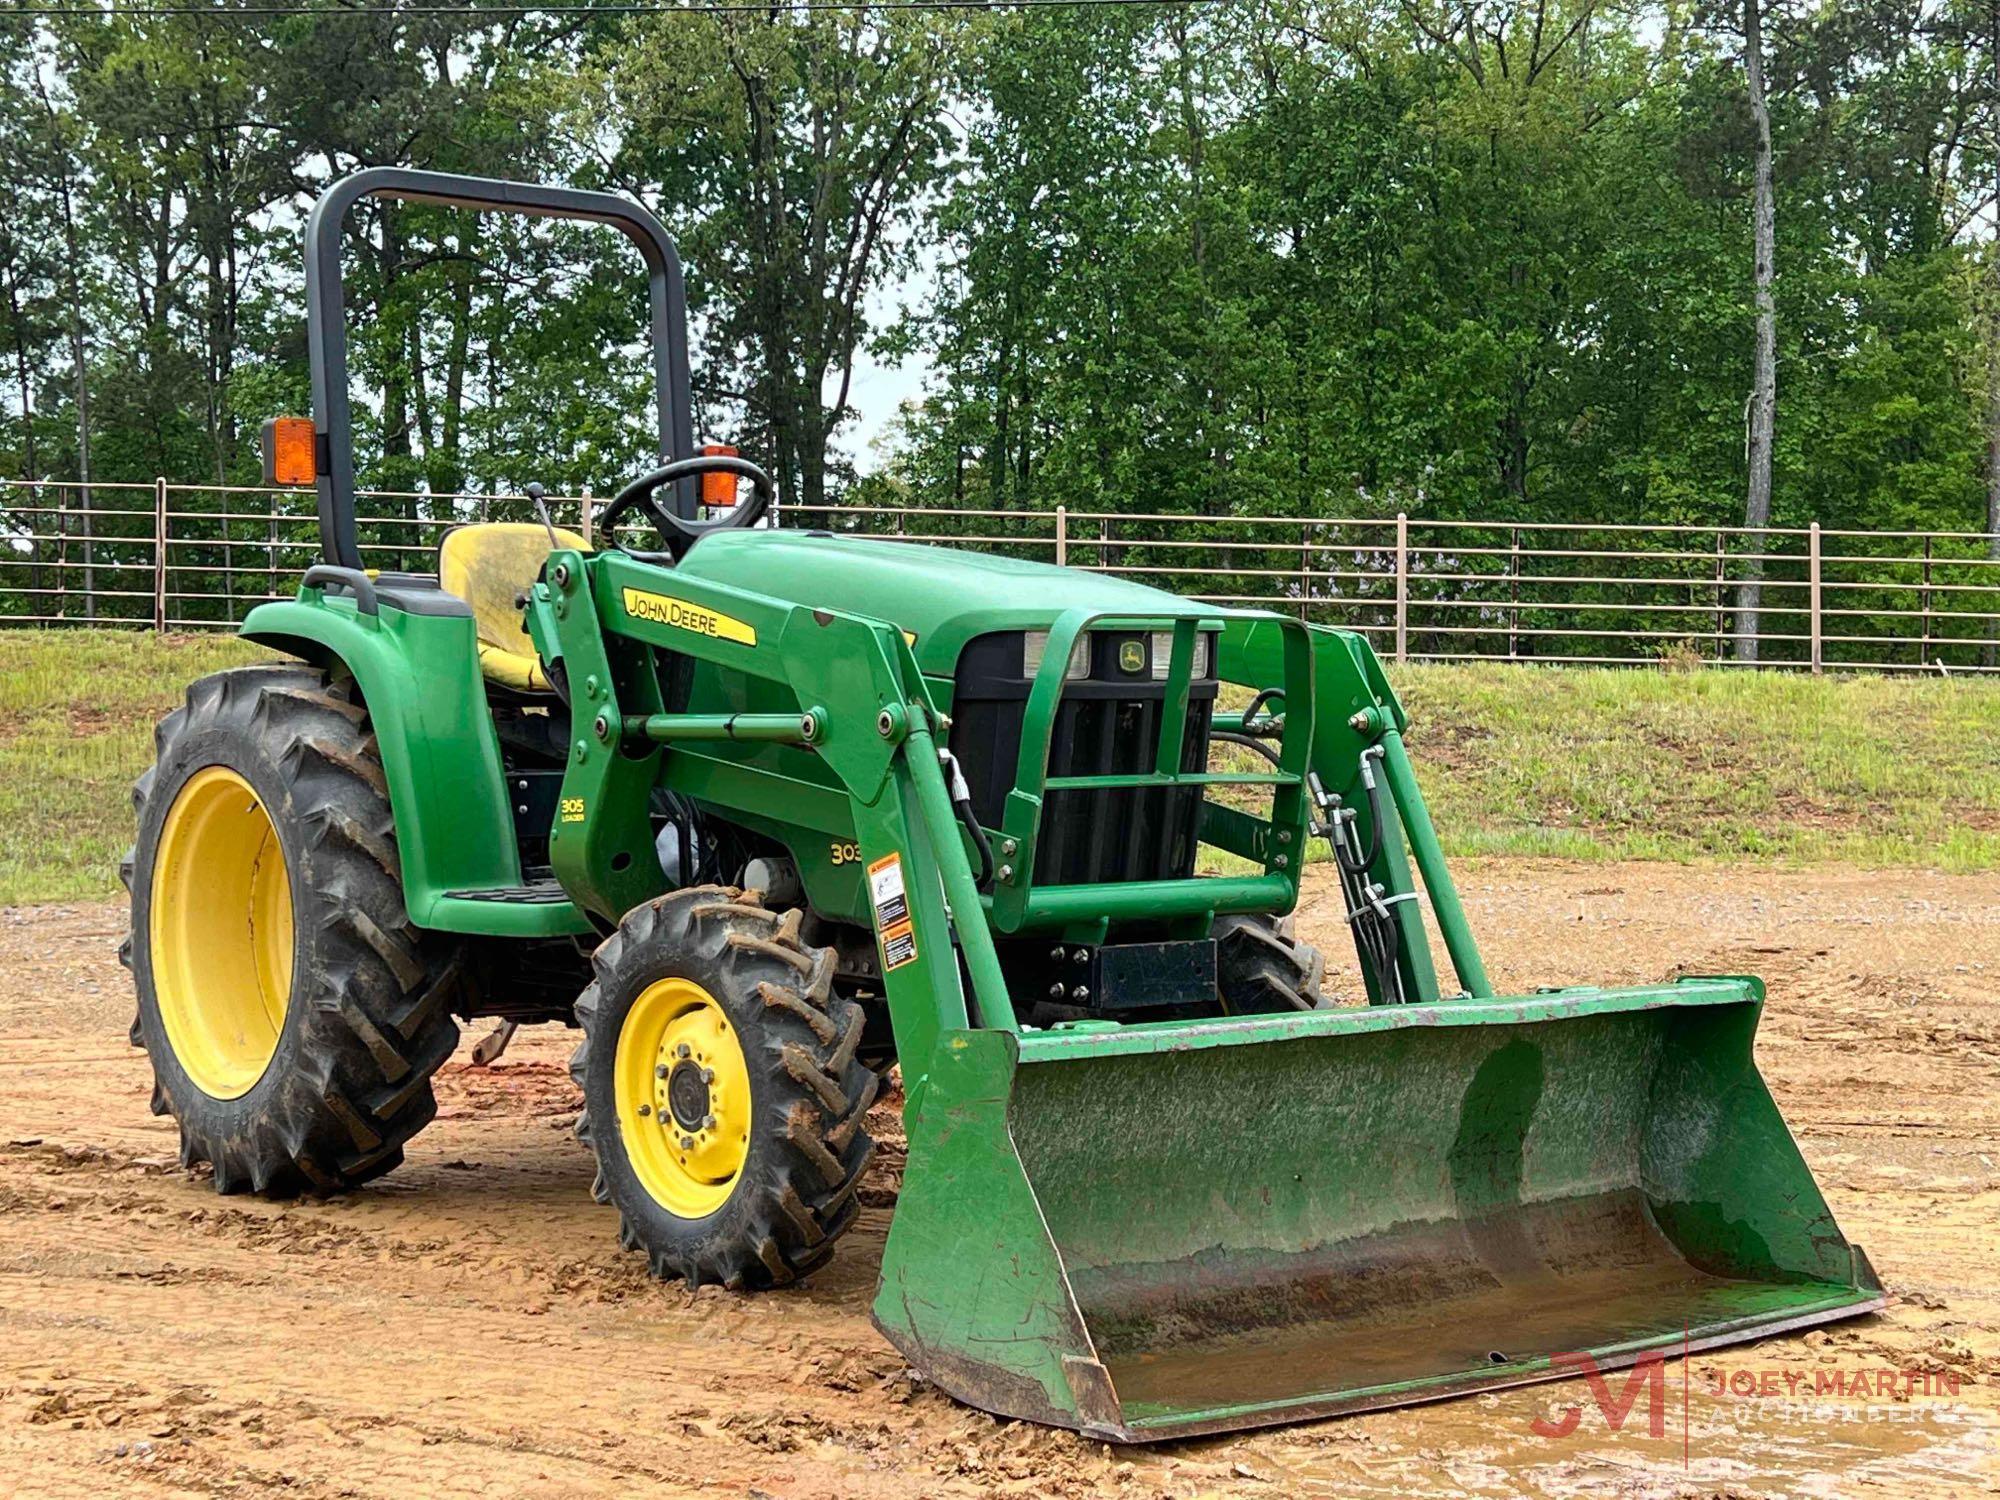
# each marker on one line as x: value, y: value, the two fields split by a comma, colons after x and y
x: 764, y: 811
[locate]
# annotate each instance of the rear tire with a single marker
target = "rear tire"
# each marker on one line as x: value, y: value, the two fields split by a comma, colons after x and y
x: 1262, y: 967
x: 319, y: 1090
x: 758, y: 1197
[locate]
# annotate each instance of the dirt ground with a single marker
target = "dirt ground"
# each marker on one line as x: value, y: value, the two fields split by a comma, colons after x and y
x: 469, y: 1326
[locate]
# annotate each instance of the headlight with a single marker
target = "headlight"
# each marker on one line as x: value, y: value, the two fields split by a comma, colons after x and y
x: 1036, y: 643
x: 1163, y: 655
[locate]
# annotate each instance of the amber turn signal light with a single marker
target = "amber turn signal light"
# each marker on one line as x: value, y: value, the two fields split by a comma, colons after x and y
x: 718, y: 490
x: 288, y: 451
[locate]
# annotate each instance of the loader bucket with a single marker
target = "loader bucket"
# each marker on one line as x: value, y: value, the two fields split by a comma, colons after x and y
x: 1158, y: 1230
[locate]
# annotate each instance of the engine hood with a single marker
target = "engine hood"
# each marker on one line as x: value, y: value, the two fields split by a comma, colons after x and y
x: 943, y: 596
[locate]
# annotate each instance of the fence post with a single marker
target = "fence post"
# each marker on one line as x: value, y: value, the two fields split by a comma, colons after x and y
x: 1812, y: 592
x: 1062, y: 536
x: 62, y: 555
x: 1402, y: 586
x: 589, y: 515
x: 1924, y: 651
x: 1720, y: 570
x: 160, y: 554
x: 1305, y: 567
x: 1513, y: 591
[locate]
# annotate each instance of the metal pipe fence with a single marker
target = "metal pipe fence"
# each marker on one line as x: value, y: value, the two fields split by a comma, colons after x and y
x: 191, y: 557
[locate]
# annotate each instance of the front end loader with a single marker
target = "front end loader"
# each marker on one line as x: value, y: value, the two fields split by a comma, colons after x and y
x: 764, y: 812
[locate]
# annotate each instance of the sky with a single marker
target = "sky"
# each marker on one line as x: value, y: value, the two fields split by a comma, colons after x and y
x: 880, y: 390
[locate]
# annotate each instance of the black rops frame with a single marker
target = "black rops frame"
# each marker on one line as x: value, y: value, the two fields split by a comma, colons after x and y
x: 326, y: 325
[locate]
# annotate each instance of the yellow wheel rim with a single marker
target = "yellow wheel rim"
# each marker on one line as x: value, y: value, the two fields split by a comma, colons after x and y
x: 220, y: 933
x: 682, y: 1091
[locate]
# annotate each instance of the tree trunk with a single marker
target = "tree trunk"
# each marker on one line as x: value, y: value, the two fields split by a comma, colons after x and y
x: 1763, y: 405
x: 1993, y: 433
x: 398, y: 469
x: 31, y: 462
x: 74, y: 288
x: 449, y: 473
x: 1993, y: 336
x: 1212, y: 414
x: 79, y: 360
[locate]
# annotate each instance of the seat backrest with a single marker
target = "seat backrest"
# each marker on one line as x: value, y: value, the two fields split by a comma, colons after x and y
x: 490, y: 566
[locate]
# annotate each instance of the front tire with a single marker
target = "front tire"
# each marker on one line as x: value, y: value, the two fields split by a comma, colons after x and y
x: 722, y: 1095
x: 292, y: 1013
x: 1262, y: 967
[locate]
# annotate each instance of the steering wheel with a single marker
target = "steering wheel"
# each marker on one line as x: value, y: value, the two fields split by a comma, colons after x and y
x: 680, y: 535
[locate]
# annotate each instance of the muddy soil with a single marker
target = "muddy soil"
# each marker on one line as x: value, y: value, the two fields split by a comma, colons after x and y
x: 469, y: 1327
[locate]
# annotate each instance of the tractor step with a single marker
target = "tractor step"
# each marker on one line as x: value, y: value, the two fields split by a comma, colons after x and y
x: 535, y: 893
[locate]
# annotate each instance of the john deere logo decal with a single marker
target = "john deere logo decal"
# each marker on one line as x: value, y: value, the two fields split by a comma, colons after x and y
x: 1131, y: 656
x: 680, y: 614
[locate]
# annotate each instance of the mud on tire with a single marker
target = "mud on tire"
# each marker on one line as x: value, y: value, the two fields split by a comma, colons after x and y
x: 369, y: 1017
x: 1262, y: 966
x: 795, y: 1193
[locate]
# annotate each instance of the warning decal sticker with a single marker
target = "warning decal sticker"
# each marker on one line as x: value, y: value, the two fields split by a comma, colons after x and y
x: 885, y: 885
x: 892, y: 912
x: 899, y: 947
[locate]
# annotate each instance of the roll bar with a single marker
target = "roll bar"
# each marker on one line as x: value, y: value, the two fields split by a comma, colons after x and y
x: 326, y: 325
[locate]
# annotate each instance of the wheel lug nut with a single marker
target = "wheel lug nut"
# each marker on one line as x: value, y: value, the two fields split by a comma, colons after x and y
x: 644, y: 1110
x: 687, y: 1143
x: 660, y: 1071
x: 708, y: 1122
x: 683, y: 1050
x: 708, y: 1075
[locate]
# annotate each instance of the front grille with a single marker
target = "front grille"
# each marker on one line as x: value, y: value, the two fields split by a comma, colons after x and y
x: 1106, y: 725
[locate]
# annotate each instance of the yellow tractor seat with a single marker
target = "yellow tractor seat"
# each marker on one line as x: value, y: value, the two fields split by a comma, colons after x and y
x: 490, y: 566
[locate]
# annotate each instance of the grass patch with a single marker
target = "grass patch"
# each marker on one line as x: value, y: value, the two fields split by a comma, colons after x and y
x: 77, y: 709
x: 1568, y: 762
x: 1604, y: 764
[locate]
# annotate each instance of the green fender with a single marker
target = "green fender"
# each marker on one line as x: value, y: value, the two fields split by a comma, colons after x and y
x: 419, y: 675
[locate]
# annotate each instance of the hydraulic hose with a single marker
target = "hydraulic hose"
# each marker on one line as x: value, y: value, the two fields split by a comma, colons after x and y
x: 961, y: 804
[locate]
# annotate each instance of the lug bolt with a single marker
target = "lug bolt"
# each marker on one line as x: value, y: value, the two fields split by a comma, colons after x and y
x: 660, y: 1071
x: 708, y: 1122
x: 683, y: 1050
x: 1056, y: 990
x: 1080, y: 993
x: 1081, y: 956
x: 708, y: 1075
x: 687, y: 1143
x: 644, y: 1110
x: 1057, y: 955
